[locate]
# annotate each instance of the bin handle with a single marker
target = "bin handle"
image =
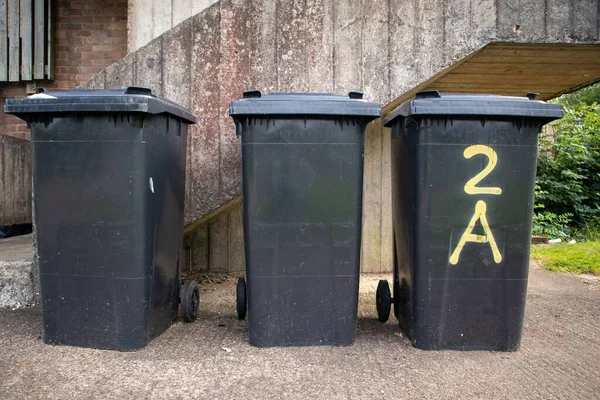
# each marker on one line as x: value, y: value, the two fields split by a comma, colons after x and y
x: 532, y: 95
x: 427, y: 94
x: 252, y: 94
x: 139, y: 90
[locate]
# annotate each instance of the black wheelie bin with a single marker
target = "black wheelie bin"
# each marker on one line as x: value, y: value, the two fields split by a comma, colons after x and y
x: 302, y: 187
x: 108, y: 177
x: 463, y: 177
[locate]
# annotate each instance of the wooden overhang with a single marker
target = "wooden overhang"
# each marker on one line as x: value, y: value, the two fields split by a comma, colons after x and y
x: 513, y: 69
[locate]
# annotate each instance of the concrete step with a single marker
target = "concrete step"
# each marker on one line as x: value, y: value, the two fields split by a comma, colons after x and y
x: 17, y: 287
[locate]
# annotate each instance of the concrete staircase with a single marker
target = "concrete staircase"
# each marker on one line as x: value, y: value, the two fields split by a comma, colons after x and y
x: 384, y: 48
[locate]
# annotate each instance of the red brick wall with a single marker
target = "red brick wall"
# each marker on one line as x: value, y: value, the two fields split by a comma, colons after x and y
x: 89, y: 35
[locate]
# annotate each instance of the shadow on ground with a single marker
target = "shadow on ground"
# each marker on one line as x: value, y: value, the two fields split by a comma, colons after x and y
x: 558, y: 358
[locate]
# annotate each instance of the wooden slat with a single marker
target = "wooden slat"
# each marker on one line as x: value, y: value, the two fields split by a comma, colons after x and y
x: 526, y: 70
x: 26, y: 41
x: 39, y: 41
x: 540, y: 78
x: 13, y: 43
x: 504, y: 92
x: 532, y: 60
x: 387, y: 226
x: 219, y: 243
x: 189, y: 229
x: 544, y: 46
x: 50, y: 41
x: 3, y: 41
x: 568, y: 52
x: 523, y: 86
x: 371, y: 218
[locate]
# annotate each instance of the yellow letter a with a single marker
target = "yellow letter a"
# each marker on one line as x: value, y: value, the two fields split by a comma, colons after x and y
x: 480, y: 209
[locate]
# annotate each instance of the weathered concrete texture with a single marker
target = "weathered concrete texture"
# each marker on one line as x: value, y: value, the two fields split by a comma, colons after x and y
x: 234, y: 78
x: 16, y: 284
x: 177, y: 50
x: 148, y: 19
x: 120, y: 74
x: 149, y: 66
x: 16, y: 272
x: 384, y: 47
x: 202, y: 179
x: 558, y: 358
x: 15, y: 180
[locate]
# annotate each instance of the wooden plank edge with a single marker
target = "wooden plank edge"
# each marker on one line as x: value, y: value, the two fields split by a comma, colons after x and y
x: 190, y: 228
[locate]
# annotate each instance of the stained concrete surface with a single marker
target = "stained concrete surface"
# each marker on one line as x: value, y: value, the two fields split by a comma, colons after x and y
x: 17, y: 248
x: 16, y: 272
x: 558, y: 358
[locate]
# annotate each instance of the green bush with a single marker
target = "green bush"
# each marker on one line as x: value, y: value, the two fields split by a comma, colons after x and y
x: 551, y: 225
x: 568, y: 174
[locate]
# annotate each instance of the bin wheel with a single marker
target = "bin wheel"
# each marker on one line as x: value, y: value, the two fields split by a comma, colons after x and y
x: 241, y: 302
x: 383, y: 300
x: 190, y: 301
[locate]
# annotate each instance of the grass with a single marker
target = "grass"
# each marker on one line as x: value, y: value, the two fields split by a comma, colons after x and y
x: 590, y: 232
x: 578, y: 258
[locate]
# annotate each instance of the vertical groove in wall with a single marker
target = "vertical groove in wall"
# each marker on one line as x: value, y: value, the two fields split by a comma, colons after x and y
x: 277, y: 44
x: 190, y: 69
x: 162, y: 59
x: 333, y: 58
x: 471, y: 16
x: 416, y: 37
x: 208, y: 246
x: 219, y: 97
x: 152, y: 33
x: 444, y: 16
x: 571, y: 17
x: 389, y: 53
x: 306, y: 60
x: 381, y: 194
x: 362, y: 52
x: 497, y: 4
x: 546, y: 18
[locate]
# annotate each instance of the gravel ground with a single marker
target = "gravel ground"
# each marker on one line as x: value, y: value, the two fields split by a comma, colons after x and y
x: 559, y: 357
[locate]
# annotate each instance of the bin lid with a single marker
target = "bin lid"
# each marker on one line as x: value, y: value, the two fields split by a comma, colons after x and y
x: 435, y: 103
x: 282, y: 104
x: 131, y: 99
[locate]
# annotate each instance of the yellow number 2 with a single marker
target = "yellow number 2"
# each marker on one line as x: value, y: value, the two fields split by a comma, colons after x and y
x: 471, y: 185
x: 468, y: 236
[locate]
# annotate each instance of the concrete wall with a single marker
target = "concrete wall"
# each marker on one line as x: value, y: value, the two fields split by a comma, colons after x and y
x: 15, y: 180
x: 382, y: 47
x: 148, y: 19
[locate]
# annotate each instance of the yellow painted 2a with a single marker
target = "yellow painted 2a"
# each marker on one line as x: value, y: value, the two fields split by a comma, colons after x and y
x: 471, y: 185
x: 468, y: 236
